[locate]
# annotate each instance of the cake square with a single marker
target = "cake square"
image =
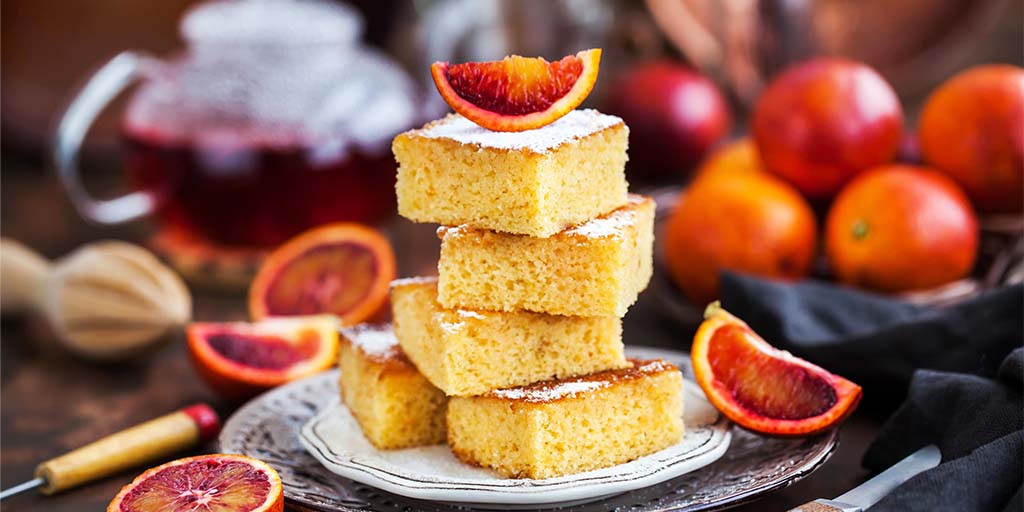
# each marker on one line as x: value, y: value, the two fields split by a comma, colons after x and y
x: 535, y: 182
x: 596, y: 268
x: 394, y: 404
x: 466, y: 352
x: 560, y: 427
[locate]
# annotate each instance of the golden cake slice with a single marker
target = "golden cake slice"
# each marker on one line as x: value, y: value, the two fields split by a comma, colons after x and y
x: 466, y: 352
x: 596, y: 268
x: 394, y: 404
x: 535, y: 182
x: 572, y: 425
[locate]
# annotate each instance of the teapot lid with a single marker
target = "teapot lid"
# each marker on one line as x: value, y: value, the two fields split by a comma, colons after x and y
x: 250, y: 22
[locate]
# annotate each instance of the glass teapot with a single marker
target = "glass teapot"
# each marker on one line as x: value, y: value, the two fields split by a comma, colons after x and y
x: 273, y: 120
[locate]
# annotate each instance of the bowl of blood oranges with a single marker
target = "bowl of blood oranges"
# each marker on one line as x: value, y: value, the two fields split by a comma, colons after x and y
x: 817, y: 191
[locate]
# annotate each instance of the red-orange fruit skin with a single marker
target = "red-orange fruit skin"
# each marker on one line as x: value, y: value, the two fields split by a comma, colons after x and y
x: 738, y: 156
x: 496, y: 121
x: 822, y: 121
x: 847, y: 394
x: 743, y: 221
x: 344, y: 232
x: 972, y: 128
x: 899, y: 228
x: 675, y: 116
x: 237, y: 383
x: 275, y: 505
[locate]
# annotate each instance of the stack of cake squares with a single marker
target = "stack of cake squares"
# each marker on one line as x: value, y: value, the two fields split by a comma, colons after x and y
x: 513, y: 354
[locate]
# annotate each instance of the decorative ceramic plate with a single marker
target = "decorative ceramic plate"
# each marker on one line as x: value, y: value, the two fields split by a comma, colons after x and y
x: 269, y: 428
x: 432, y: 473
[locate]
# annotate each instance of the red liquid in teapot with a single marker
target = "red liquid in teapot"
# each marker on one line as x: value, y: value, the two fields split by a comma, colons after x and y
x: 258, y: 193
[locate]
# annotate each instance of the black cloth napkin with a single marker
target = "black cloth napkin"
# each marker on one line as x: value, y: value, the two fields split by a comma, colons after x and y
x: 958, y: 371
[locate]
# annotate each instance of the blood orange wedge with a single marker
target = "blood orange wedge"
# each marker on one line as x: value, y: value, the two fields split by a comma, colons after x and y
x: 762, y: 388
x: 207, y: 483
x: 239, y: 360
x: 517, y: 93
x: 343, y: 269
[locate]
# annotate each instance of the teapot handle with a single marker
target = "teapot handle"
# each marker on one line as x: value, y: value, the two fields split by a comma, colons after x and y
x: 108, y: 82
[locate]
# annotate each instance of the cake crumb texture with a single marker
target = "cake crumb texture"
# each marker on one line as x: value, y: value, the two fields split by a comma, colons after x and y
x: 597, y: 268
x: 470, y: 352
x: 619, y: 416
x: 394, y: 404
x: 536, y: 183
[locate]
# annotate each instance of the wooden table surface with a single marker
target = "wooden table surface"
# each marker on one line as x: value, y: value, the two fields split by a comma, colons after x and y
x: 51, y: 402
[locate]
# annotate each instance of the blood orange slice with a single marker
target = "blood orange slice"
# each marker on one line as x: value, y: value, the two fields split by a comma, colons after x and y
x: 239, y: 360
x: 517, y: 93
x: 343, y: 269
x: 762, y: 388
x: 207, y: 483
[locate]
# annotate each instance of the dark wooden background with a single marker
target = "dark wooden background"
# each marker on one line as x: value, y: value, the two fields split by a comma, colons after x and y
x: 51, y: 402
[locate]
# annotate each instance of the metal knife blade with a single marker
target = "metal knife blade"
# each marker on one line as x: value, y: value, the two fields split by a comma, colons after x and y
x: 868, y: 493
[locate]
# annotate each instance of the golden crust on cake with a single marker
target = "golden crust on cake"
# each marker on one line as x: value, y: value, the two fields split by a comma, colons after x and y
x: 394, y: 404
x: 561, y: 389
x: 469, y: 352
x: 536, y: 182
x: 571, y: 425
x: 596, y: 268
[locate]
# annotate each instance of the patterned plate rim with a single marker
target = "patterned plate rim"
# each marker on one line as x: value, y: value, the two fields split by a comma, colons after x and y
x: 651, y: 470
x: 251, y: 415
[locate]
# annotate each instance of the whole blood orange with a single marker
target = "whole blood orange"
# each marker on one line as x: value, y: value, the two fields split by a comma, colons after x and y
x: 749, y: 222
x: 822, y: 121
x: 899, y: 227
x: 675, y: 116
x: 343, y: 269
x: 239, y: 360
x: 737, y: 156
x: 972, y: 128
x: 762, y: 388
x: 206, y: 483
x: 517, y: 93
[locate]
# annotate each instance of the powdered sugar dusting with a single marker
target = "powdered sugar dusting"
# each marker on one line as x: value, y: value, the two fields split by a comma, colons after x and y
x: 654, y: 366
x: 414, y: 280
x: 373, y: 340
x: 609, y: 225
x: 452, y: 327
x: 551, y: 392
x: 571, y: 387
x: 573, y: 126
x: 446, y: 231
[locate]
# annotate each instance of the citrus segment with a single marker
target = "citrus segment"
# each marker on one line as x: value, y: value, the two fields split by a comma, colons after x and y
x: 762, y: 388
x: 238, y: 360
x: 207, y: 483
x: 342, y: 269
x: 517, y: 93
x: 775, y: 390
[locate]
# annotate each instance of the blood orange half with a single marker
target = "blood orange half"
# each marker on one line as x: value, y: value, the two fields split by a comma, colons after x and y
x: 343, y: 269
x: 762, y: 388
x: 517, y: 93
x: 239, y: 360
x: 207, y: 483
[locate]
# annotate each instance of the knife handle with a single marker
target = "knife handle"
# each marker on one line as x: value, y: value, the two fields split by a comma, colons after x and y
x: 825, y: 506
x: 137, y: 445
